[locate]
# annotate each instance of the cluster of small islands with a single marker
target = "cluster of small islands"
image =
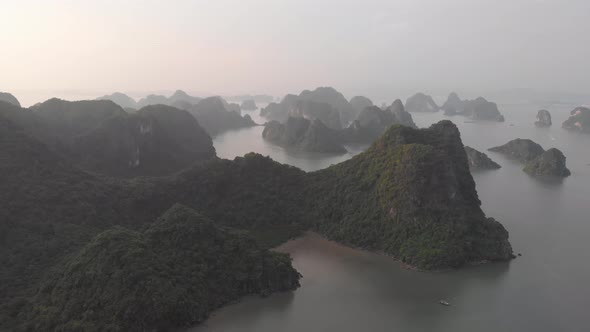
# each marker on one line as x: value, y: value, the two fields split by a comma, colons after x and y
x: 117, y: 214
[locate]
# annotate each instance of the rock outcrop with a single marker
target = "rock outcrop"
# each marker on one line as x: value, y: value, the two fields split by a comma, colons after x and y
x: 453, y: 105
x: 543, y: 119
x: 303, y: 135
x: 66, y: 120
x: 524, y: 150
x: 330, y: 96
x: 549, y: 163
x: 215, y: 118
x: 481, y: 109
x: 249, y: 105
x: 359, y: 103
x: 477, y: 109
x: 421, y: 103
x: 401, y: 116
x: 323, y: 95
x: 538, y: 162
x: 578, y: 121
x: 313, y: 110
x: 280, y: 111
x: 9, y: 98
x: 478, y: 160
x: 120, y: 99
x: 373, y: 121
x: 98, y: 136
x: 156, y: 140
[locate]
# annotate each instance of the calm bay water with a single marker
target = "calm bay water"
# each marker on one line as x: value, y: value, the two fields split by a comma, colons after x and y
x: 350, y: 290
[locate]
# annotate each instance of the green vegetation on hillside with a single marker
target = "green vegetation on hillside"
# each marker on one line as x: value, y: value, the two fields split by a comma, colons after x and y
x: 411, y: 195
x: 171, y: 275
x: 79, y: 252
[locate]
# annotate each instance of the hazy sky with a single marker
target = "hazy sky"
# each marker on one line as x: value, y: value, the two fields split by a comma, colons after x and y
x: 370, y: 47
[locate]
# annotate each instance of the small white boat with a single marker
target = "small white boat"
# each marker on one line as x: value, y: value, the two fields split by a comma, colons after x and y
x: 443, y: 302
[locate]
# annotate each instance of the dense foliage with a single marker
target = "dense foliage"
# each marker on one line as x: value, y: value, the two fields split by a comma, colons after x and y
x: 411, y: 195
x: 550, y: 163
x: 77, y: 249
x: 171, y: 275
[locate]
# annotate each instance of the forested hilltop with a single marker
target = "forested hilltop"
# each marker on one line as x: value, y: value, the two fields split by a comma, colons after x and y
x: 64, y: 230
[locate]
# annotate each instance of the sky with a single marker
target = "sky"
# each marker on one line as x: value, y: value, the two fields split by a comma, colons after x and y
x: 381, y: 49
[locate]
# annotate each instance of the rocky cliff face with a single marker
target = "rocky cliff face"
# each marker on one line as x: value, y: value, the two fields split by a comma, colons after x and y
x: 9, y: 98
x: 421, y: 103
x: 412, y: 196
x: 578, y: 121
x: 524, y: 150
x: 543, y: 119
x: 478, y: 160
x: 549, y: 163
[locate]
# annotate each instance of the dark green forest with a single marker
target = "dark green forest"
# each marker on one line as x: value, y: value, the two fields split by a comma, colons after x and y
x: 161, y: 252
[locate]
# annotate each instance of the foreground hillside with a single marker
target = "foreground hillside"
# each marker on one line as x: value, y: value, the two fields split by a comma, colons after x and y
x: 171, y: 275
x: 410, y: 195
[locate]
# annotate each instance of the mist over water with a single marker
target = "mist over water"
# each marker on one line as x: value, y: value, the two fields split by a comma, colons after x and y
x: 349, y: 290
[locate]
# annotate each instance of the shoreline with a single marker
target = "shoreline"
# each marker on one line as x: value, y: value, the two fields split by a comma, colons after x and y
x: 293, y: 243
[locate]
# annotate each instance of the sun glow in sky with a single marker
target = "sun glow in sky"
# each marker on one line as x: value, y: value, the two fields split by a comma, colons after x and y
x: 377, y: 48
